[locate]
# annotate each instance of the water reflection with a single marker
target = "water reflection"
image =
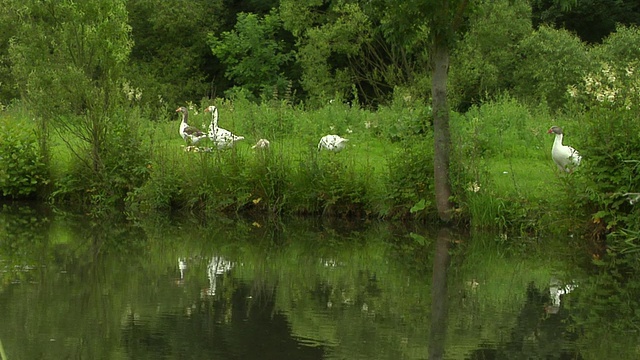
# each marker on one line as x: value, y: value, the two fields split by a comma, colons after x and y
x: 182, y: 267
x: 439, y: 295
x: 88, y: 289
x: 556, y: 290
x: 217, y: 267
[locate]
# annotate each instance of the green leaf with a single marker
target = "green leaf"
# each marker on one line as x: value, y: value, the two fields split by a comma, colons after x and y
x: 419, y: 206
x: 418, y: 238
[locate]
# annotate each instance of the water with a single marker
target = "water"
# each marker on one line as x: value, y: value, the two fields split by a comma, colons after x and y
x: 79, y: 288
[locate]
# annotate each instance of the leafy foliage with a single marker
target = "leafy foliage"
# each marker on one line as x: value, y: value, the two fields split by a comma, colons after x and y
x: 410, y: 181
x: 610, y: 98
x: 170, y: 60
x: 486, y: 59
x: 551, y: 60
x: 22, y: 168
x: 254, y: 57
x: 591, y: 20
x: 615, y: 49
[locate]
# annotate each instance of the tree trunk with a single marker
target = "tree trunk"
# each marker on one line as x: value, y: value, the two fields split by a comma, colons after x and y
x: 442, y: 135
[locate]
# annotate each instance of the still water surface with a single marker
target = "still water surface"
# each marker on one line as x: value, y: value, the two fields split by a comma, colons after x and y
x: 80, y: 288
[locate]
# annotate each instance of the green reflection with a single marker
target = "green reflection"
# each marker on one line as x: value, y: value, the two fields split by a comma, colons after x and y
x: 180, y: 288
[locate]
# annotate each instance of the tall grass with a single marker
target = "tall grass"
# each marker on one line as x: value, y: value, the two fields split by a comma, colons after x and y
x: 511, y: 183
x: 502, y: 174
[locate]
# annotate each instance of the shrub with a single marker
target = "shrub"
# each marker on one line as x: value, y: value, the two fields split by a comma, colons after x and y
x: 22, y: 167
x: 551, y: 60
x: 486, y: 59
x: 104, y: 171
x: 615, y: 48
x: 608, y: 101
x: 410, y: 181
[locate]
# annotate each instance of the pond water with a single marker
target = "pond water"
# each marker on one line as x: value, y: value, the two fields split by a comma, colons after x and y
x: 75, y: 287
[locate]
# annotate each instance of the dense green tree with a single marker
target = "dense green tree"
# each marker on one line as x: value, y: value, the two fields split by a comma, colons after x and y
x: 171, y: 62
x: 486, y: 58
x: 8, y: 89
x: 615, y: 48
x: 438, y: 21
x: 591, y: 20
x: 331, y: 37
x: 254, y: 57
x: 69, y: 60
x: 550, y: 61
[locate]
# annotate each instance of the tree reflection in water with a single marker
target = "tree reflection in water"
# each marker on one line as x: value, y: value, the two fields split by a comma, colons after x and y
x: 439, y: 295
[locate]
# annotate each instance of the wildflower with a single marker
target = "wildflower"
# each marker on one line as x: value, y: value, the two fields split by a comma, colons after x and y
x: 588, y: 81
x: 349, y: 131
x: 367, y: 124
x: 474, y: 187
x: 573, y: 91
x: 610, y: 95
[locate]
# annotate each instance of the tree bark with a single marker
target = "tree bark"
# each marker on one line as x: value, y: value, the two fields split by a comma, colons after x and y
x: 441, y: 133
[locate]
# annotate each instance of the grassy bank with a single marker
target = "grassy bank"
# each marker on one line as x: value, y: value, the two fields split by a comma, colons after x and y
x: 502, y: 174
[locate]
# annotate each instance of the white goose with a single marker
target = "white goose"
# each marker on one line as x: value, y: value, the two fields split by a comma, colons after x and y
x: 190, y: 134
x: 564, y: 156
x: 222, y: 138
x: 333, y: 143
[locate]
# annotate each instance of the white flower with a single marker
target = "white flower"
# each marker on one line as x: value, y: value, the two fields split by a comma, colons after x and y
x: 474, y: 187
x: 349, y: 131
x: 367, y: 124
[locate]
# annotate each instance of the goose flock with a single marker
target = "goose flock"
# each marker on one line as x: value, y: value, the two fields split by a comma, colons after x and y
x: 225, y: 139
x: 565, y: 157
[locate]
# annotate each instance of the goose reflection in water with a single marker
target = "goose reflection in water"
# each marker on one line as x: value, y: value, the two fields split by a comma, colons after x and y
x: 557, y: 289
x: 217, y: 266
x: 182, y: 266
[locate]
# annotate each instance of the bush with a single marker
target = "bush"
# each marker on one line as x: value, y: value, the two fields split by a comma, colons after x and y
x: 105, y: 170
x: 551, y: 60
x: 22, y: 167
x: 608, y: 101
x: 486, y: 59
x: 615, y: 48
x: 410, y: 184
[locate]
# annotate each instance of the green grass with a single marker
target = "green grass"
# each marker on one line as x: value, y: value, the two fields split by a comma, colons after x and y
x: 501, y: 147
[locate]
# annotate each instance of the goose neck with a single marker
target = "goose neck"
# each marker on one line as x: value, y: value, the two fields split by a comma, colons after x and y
x: 214, y: 118
x: 558, y: 140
